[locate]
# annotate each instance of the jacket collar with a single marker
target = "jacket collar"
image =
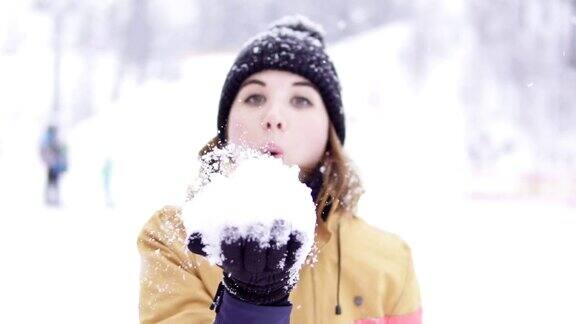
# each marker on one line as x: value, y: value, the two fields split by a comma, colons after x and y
x: 325, y: 230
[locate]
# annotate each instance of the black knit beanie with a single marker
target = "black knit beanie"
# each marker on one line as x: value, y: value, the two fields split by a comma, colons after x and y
x: 293, y: 44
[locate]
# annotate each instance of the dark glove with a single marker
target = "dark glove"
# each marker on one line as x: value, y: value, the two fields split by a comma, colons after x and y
x: 253, y: 274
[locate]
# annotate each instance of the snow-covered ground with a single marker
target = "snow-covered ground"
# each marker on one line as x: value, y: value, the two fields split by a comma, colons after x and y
x: 477, y: 261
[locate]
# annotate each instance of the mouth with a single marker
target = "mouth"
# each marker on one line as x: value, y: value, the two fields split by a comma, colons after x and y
x: 273, y: 149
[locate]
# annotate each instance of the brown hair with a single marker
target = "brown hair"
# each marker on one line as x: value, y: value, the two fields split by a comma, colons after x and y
x: 341, y: 184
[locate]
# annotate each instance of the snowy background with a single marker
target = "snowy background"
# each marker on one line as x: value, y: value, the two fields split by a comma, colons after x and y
x: 460, y: 116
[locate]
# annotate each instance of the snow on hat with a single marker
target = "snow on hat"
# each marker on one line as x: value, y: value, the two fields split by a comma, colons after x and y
x: 294, y: 44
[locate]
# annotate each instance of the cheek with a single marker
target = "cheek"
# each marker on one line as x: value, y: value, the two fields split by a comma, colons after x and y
x: 240, y: 129
x: 235, y: 131
x: 312, y: 143
x: 318, y: 138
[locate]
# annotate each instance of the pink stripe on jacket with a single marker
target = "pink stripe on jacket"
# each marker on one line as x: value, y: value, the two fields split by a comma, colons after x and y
x: 412, y: 318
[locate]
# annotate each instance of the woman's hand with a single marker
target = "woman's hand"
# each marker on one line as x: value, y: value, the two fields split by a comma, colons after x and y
x: 255, y: 271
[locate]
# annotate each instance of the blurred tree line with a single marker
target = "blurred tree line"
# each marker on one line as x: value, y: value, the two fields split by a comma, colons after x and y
x: 523, y: 74
x: 241, y: 19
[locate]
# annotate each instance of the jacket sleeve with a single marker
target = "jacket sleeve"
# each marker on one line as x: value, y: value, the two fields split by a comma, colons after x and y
x: 170, y: 288
x: 407, y: 309
x: 234, y: 310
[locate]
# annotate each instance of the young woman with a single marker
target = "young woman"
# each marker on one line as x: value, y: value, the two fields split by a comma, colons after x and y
x: 282, y: 96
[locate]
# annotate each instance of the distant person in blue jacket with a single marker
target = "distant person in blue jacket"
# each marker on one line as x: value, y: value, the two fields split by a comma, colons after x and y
x: 53, y: 153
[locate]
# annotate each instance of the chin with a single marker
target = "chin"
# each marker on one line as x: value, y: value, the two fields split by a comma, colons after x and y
x: 289, y: 161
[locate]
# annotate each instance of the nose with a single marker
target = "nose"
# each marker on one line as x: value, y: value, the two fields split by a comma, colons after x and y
x: 270, y: 125
x: 273, y: 121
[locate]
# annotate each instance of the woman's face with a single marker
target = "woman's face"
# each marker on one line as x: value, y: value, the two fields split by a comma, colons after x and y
x: 282, y: 114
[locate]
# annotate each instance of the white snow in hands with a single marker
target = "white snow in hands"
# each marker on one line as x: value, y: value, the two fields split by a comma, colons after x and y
x: 253, y: 193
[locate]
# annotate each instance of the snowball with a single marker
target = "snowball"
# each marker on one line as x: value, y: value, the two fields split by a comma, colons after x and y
x: 251, y: 194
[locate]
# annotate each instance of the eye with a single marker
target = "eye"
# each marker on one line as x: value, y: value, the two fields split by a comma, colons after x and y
x: 301, y: 102
x: 255, y: 100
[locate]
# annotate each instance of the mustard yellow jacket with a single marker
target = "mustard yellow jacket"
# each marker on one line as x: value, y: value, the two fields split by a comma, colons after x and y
x: 377, y: 279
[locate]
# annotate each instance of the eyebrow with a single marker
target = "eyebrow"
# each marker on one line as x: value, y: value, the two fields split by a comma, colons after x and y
x: 305, y: 84
x: 252, y: 81
x: 263, y: 84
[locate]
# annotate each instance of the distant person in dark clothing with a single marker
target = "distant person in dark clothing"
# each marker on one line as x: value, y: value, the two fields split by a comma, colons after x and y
x: 53, y: 154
